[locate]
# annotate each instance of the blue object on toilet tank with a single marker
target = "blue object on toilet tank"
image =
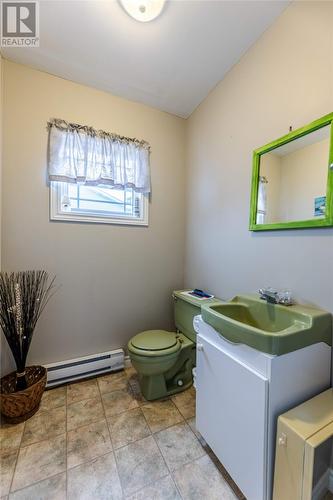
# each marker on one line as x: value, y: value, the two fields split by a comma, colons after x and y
x: 200, y: 293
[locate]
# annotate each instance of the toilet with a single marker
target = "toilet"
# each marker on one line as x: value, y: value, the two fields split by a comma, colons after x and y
x: 164, y: 360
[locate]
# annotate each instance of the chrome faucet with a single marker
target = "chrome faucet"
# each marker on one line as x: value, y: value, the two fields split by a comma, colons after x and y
x: 275, y: 297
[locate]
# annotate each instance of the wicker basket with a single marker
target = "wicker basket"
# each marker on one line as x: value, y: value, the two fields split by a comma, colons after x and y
x: 21, y: 405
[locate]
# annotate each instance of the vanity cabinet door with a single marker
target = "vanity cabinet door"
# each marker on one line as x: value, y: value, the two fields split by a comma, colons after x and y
x: 232, y: 401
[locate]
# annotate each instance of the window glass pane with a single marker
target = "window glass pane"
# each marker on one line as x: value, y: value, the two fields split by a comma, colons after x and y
x: 93, y: 206
x: 73, y: 203
x: 72, y: 189
x: 103, y: 199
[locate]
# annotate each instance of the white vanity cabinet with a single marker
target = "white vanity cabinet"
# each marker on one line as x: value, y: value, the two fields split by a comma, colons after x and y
x: 241, y: 392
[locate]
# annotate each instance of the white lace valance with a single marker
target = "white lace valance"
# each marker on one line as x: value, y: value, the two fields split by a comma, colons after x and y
x: 81, y: 154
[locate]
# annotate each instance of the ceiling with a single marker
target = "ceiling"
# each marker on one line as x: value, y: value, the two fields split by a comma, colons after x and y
x: 170, y: 63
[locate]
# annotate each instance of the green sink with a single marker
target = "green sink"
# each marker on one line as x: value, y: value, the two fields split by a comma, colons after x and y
x: 272, y: 328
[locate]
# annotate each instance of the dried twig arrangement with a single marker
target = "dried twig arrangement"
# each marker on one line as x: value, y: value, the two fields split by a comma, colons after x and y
x: 23, y: 296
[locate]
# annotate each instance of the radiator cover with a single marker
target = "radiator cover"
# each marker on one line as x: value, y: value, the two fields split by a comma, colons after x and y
x: 86, y: 366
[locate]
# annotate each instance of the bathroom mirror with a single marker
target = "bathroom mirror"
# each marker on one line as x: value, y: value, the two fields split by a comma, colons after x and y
x: 292, y: 180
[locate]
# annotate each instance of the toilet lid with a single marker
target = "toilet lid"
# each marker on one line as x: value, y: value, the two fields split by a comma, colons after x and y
x: 154, y: 340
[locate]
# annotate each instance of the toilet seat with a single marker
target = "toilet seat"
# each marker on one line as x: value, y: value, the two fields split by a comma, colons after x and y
x: 155, y: 343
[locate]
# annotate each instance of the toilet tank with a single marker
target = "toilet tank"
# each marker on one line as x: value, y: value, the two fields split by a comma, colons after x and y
x: 185, y: 308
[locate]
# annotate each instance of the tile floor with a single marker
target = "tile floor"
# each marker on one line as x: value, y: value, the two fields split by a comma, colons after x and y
x: 100, y: 439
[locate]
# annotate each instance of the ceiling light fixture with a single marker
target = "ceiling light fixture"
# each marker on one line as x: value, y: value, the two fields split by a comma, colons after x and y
x: 143, y: 10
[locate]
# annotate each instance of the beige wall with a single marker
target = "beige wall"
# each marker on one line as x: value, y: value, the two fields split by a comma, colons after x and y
x: 5, y: 356
x: 285, y: 79
x: 1, y: 113
x: 114, y: 281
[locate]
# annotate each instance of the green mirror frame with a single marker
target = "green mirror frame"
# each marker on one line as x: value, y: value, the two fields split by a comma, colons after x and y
x: 300, y: 224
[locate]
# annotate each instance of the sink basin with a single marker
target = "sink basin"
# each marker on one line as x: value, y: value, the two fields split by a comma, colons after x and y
x: 271, y: 328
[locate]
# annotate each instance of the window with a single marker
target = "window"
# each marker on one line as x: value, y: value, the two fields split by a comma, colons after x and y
x: 261, y: 217
x: 262, y: 200
x: 102, y: 203
x: 97, y: 176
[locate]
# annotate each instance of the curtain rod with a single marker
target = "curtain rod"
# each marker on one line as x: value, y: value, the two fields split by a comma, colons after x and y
x: 64, y: 125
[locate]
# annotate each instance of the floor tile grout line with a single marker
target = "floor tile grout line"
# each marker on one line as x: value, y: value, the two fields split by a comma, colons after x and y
x: 43, y: 439
x: 120, y: 388
x: 96, y: 379
x: 113, y: 450
x: 166, y: 463
x: 185, y: 463
x: 54, y: 436
x: 95, y: 419
x: 90, y: 460
x: 163, y: 428
x: 183, y: 421
x: 176, y: 486
x: 147, y: 486
x: 226, y: 478
x: 106, y: 421
x: 20, y: 447
x: 208, y: 452
x: 135, y: 440
x: 12, y: 479
x: 33, y: 484
x: 17, y: 456
x: 169, y: 469
x: 100, y: 419
x: 50, y: 435
x: 81, y: 400
x: 16, y: 460
x: 169, y: 398
x: 65, y: 431
x: 39, y: 481
x: 185, y: 418
x: 152, y: 435
x: 72, y: 468
x: 159, y: 449
x: 180, y: 413
x: 130, y: 390
x: 123, y: 411
x: 150, y: 483
x: 196, y: 437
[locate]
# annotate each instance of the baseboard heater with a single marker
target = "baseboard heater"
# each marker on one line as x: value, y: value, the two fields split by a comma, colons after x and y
x: 87, y: 366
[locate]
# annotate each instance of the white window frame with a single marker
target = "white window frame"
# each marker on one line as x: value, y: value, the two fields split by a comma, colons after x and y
x: 56, y: 212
